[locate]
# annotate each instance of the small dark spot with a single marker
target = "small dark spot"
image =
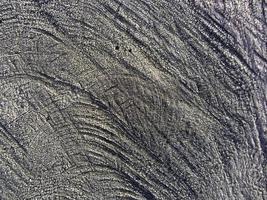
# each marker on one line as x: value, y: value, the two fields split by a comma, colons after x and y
x: 130, y: 50
x: 117, y: 47
x: 188, y: 124
x: 48, y: 117
x: 1, y: 21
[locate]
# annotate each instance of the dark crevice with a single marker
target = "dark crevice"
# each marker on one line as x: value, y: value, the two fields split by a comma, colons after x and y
x: 117, y: 47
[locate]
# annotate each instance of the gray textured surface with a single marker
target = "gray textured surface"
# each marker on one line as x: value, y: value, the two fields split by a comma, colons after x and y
x: 136, y: 99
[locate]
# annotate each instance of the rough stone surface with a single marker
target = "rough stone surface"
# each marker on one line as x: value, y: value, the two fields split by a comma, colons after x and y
x: 133, y: 99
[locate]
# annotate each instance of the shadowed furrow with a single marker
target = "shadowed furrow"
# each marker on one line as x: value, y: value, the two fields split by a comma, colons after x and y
x: 133, y: 99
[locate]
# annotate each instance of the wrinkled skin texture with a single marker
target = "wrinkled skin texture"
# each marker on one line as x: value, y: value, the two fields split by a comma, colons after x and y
x: 133, y: 99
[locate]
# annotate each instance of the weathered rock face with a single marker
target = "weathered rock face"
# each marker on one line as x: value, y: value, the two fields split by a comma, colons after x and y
x: 133, y: 99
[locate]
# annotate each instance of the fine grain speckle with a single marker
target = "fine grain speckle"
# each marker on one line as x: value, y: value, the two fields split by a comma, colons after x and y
x: 133, y: 99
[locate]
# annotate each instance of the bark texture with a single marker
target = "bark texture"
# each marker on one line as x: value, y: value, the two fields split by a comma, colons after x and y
x: 133, y: 99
